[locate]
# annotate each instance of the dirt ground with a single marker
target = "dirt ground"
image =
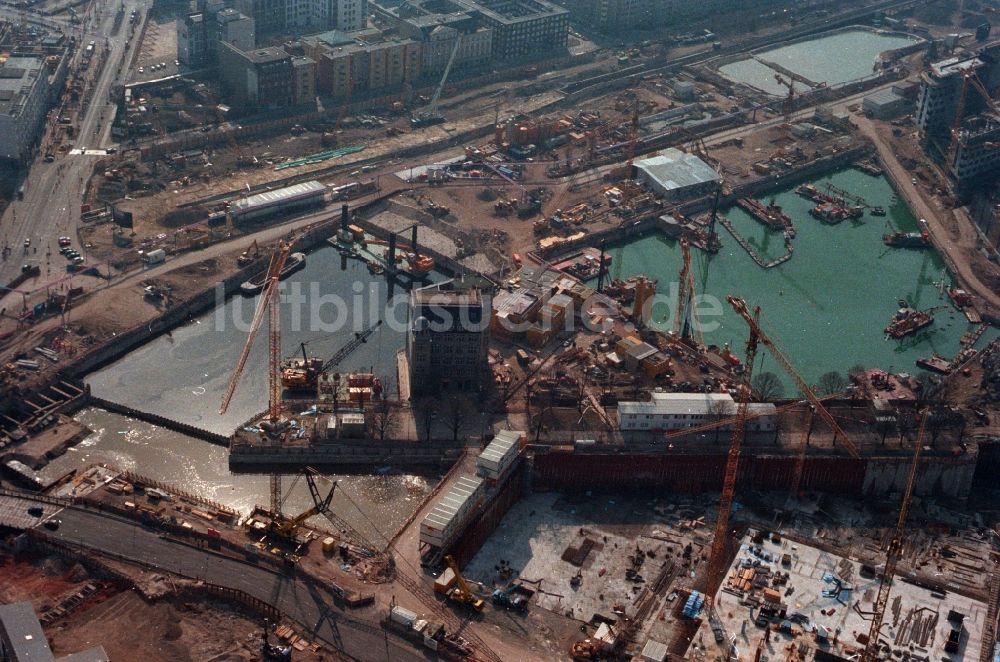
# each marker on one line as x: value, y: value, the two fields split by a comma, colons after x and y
x: 127, y: 626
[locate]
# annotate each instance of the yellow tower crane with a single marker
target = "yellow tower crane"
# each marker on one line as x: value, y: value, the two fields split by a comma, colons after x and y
x: 894, y: 551
x: 267, y: 305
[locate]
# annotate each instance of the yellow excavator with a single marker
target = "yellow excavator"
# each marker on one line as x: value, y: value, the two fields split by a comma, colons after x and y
x: 462, y: 594
x: 288, y: 528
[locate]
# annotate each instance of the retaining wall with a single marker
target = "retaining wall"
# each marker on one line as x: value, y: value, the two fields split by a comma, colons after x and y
x: 564, y: 469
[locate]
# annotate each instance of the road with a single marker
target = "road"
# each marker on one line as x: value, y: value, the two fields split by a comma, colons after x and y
x: 53, y: 190
x: 939, y: 223
x: 311, y: 606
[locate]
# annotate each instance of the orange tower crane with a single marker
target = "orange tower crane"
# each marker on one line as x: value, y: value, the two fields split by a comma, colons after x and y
x: 741, y: 308
x: 268, y: 304
x: 894, y: 551
x: 717, y: 556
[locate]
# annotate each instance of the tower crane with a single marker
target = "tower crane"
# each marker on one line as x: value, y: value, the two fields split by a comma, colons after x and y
x: 268, y: 304
x: 740, y: 306
x: 786, y: 105
x: 894, y: 551
x: 717, y: 556
x: 692, y: 327
x: 682, y: 285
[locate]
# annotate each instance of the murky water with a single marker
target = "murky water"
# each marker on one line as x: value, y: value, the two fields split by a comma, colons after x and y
x: 828, y: 306
x: 833, y: 60
x: 202, y: 469
x: 184, y: 374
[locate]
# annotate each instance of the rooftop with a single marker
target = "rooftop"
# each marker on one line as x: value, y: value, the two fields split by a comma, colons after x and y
x: 674, y: 169
x: 280, y: 195
x: 17, y: 75
x: 24, y: 632
x: 884, y: 97
x: 266, y: 55
x: 676, y: 404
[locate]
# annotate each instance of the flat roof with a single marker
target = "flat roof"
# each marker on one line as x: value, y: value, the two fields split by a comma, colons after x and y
x: 676, y: 404
x: 24, y: 632
x: 501, y: 445
x: 449, y: 505
x: 673, y: 169
x: 883, y: 97
x: 17, y: 76
x: 277, y: 196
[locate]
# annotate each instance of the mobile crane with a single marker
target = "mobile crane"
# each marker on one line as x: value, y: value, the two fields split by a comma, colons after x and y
x: 462, y: 594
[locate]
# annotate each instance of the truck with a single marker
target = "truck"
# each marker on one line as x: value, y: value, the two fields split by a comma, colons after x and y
x: 152, y: 257
x: 509, y: 599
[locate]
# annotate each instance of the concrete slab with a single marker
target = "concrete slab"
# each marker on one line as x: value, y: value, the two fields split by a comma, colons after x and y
x: 827, y: 602
x: 542, y: 530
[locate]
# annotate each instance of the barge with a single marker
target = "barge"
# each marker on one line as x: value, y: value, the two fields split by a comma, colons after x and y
x: 256, y: 283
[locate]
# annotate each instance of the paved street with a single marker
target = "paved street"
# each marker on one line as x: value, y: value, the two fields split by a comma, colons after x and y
x: 313, y: 608
x: 53, y: 190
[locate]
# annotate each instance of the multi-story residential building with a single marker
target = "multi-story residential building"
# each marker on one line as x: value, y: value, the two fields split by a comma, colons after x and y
x: 941, y: 96
x: 522, y: 27
x: 975, y: 157
x: 24, y: 99
x: 448, y: 336
x: 362, y: 61
x: 259, y: 78
x: 273, y: 16
x: 192, y: 40
x: 304, y: 86
x: 517, y: 28
x: 269, y: 16
x: 198, y: 35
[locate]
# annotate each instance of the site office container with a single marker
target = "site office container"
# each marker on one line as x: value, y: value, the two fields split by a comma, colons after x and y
x: 446, y: 519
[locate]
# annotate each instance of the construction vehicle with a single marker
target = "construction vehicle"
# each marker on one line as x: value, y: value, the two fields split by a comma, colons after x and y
x: 461, y: 594
x: 429, y: 116
x: 288, y: 528
x: 587, y: 649
x: 249, y: 255
x: 302, y: 374
x: 893, y: 553
x: 273, y: 652
x: 509, y: 599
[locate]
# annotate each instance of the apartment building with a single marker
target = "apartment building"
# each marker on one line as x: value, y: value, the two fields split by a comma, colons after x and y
x: 260, y: 78
x: 24, y: 101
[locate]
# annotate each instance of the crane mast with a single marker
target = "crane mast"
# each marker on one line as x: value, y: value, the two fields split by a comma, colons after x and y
x: 894, y: 551
x: 717, y: 556
x: 270, y: 292
x: 682, y: 285
x: 741, y: 308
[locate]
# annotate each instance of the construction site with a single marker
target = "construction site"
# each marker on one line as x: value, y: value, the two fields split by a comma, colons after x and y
x: 694, y: 339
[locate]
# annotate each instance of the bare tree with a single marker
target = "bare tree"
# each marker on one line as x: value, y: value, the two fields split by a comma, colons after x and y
x: 768, y: 386
x: 457, y: 408
x: 831, y: 382
x: 381, y: 418
x: 425, y: 410
x: 718, y: 411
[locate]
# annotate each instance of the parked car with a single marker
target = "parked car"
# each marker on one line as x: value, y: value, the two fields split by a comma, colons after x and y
x: 65, y: 241
x: 52, y: 524
x: 35, y: 511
